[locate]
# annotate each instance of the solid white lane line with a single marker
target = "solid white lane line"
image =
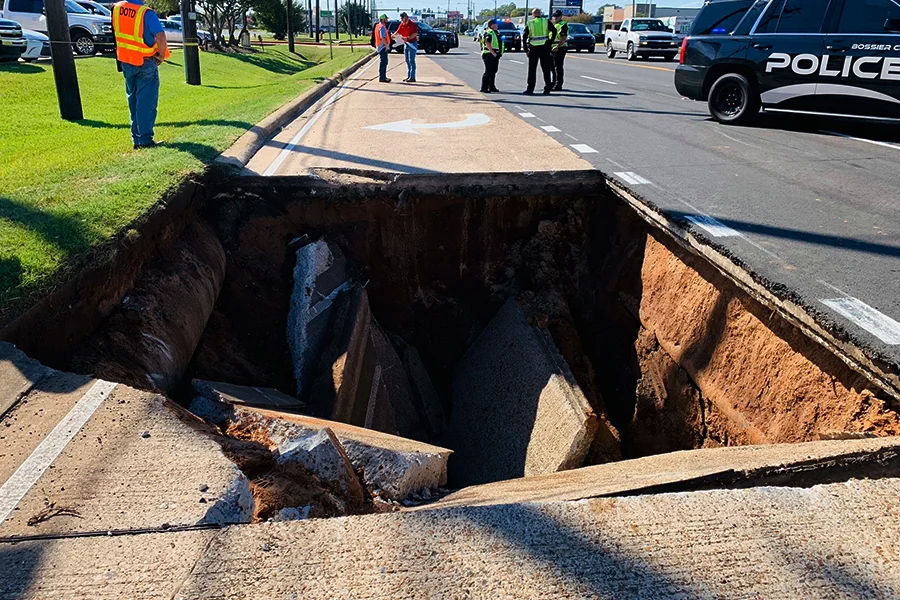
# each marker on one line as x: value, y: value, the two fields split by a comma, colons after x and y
x: 632, y: 178
x: 850, y: 137
x: 877, y: 323
x: 518, y: 62
x: 286, y: 151
x: 584, y: 148
x: 550, y: 129
x: 712, y: 226
x: 50, y: 447
x: 526, y: 115
x: 572, y: 136
x: 600, y: 80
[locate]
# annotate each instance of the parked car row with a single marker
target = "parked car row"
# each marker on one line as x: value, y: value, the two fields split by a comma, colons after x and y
x: 90, y: 28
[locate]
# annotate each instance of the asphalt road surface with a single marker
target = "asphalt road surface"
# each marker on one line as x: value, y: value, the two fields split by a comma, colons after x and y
x: 808, y: 204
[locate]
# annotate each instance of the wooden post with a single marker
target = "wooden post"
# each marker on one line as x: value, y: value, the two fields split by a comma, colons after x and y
x: 64, y: 73
x: 191, y: 43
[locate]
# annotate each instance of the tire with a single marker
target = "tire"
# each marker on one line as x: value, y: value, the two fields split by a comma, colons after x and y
x: 732, y: 100
x: 577, y: 49
x: 630, y: 52
x: 610, y: 53
x: 430, y: 50
x: 444, y: 50
x: 518, y: 47
x: 670, y: 57
x: 83, y: 44
x: 591, y: 49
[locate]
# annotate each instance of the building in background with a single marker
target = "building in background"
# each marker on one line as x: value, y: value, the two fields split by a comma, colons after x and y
x: 679, y: 19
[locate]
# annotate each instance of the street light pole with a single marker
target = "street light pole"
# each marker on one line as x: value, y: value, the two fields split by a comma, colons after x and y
x: 64, y: 73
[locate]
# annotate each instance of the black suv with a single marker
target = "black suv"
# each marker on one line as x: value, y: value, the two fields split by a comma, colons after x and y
x: 431, y: 40
x: 828, y: 57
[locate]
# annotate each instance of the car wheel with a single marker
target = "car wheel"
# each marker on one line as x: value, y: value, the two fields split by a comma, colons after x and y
x: 83, y: 44
x: 670, y: 57
x: 630, y: 52
x: 610, y: 53
x: 430, y: 50
x: 591, y: 49
x: 732, y: 100
x: 444, y: 50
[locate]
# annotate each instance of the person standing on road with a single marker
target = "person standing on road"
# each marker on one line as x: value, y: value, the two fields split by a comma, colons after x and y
x: 140, y: 49
x: 382, y: 42
x: 409, y: 31
x: 491, y: 51
x: 559, y: 49
x: 536, y: 39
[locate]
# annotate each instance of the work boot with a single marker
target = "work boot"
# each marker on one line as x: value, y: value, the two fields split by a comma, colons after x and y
x: 485, y: 91
x: 495, y: 90
x: 546, y: 91
x: 413, y: 80
x: 385, y: 80
x: 528, y: 92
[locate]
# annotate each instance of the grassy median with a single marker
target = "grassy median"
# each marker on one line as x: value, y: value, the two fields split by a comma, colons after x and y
x: 68, y: 187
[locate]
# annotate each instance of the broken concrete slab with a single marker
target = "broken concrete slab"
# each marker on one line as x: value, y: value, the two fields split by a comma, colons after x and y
x: 18, y: 374
x: 517, y: 410
x: 395, y: 395
x: 429, y: 403
x: 395, y: 465
x: 323, y: 454
x: 137, y: 462
x: 737, y: 466
x: 830, y: 541
x: 320, y: 275
x: 341, y: 389
x: 228, y: 393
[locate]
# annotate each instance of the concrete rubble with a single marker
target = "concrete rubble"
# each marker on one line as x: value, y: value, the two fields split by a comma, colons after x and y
x: 323, y: 454
x: 252, y: 396
x: 517, y: 410
x: 393, y: 466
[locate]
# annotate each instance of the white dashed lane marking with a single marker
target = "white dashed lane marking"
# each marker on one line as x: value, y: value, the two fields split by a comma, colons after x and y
x: 526, y: 115
x: 518, y: 62
x: 875, y: 322
x: 600, y: 80
x: 550, y: 128
x: 632, y: 178
x: 712, y: 226
x: 584, y: 148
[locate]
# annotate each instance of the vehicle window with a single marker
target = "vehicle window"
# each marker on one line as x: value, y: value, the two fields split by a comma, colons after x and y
x: 578, y: 28
x: 649, y: 26
x: 720, y: 17
x: 802, y: 16
x: 507, y: 26
x: 867, y: 16
x: 74, y: 7
x: 750, y: 18
x: 26, y: 6
x: 424, y: 26
x: 769, y: 21
x: 626, y: 25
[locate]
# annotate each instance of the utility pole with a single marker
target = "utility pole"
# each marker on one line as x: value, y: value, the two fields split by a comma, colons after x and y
x: 289, y: 8
x: 191, y: 47
x: 64, y: 73
x: 309, y: 16
x: 337, y: 20
x: 317, y: 21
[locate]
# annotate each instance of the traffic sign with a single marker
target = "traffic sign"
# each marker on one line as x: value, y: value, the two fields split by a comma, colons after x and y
x: 326, y: 14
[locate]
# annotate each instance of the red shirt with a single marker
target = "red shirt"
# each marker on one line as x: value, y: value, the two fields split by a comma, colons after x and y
x: 409, y: 30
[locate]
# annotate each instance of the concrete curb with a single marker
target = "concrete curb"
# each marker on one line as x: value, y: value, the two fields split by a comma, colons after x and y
x: 240, y: 153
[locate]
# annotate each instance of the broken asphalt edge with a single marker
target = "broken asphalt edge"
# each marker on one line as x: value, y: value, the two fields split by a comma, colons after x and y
x: 240, y: 153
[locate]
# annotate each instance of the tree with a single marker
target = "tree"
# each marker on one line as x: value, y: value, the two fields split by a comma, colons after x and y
x: 164, y: 7
x: 581, y: 18
x: 517, y: 12
x: 603, y: 8
x: 354, y: 17
x: 271, y: 15
x: 503, y: 10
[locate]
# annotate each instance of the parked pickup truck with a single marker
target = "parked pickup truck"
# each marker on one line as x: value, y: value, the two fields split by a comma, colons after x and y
x: 642, y: 38
x: 89, y: 33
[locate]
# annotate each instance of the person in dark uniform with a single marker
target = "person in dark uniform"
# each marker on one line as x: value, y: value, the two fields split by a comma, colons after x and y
x: 536, y: 38
x: 558, y: 49
x: 491, y: 51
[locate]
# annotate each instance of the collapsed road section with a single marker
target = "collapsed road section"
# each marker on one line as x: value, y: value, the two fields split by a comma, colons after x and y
x: 351, y: 344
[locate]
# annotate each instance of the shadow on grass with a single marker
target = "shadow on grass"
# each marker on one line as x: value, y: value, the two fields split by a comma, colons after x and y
x: 282, y: 66
x: 17, y: 67
x: 221, y: 122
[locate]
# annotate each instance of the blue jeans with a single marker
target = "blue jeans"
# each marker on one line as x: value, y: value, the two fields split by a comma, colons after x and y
x: 382, y: 64
x: 142, y: 90
x: 409, y: 51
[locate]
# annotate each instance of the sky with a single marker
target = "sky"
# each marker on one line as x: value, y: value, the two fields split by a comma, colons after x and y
x: 590, y: 6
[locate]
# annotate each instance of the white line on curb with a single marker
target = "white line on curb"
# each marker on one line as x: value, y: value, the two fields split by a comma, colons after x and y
x: 50, y: 447
x: 286, y: 151
x: 713, y: 226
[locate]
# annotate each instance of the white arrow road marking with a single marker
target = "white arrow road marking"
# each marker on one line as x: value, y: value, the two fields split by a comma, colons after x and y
x: 600, y: 80
x: 631, y: 178
x: 407, y: 126
x: 713, y: 226
x: 878, y: 324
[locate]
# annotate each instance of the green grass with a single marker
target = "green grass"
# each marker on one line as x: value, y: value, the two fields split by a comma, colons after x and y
x: 66, y: 187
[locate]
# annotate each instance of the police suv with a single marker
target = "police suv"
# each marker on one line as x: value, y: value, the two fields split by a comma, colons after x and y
x: 827, y: 57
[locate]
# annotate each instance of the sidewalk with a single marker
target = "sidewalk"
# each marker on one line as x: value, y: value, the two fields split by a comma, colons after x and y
x: 474, y: 133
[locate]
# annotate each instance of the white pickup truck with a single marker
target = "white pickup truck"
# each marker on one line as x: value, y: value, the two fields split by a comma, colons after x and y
x: 642, y: 38
x: 90, y: 33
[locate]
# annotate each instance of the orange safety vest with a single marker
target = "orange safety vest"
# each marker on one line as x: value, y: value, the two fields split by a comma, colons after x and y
x: 382, y: 34
x: 128, y: 25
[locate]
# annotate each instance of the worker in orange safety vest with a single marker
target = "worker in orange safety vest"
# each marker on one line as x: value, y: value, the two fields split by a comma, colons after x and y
x: 140, y: 49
